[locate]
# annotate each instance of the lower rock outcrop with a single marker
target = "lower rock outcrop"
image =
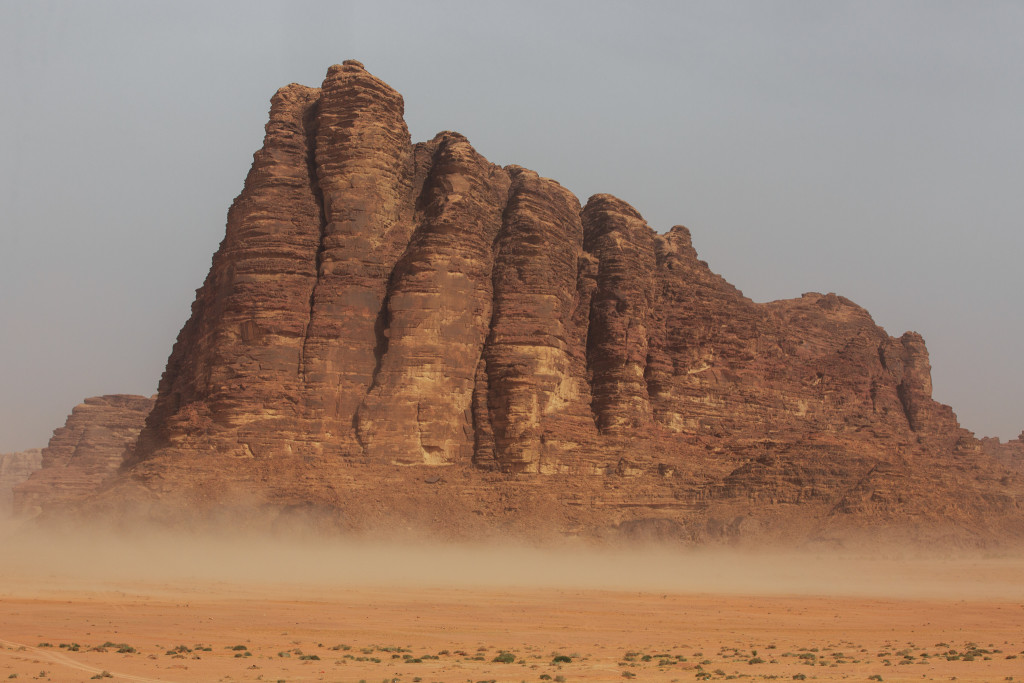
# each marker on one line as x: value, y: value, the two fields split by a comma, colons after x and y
x: 14, y: 469
x: 85, y: 453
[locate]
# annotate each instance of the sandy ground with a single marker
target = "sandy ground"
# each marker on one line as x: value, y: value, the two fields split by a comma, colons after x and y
x: 896, y: 618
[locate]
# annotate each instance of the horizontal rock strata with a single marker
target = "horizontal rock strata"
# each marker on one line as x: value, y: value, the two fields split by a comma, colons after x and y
x: 85, y: 453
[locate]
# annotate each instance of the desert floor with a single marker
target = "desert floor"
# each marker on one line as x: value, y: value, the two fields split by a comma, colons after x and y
x: 399, y: 618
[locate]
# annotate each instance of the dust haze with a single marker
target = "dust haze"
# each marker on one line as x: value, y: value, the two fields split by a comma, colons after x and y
x: 300, y: 561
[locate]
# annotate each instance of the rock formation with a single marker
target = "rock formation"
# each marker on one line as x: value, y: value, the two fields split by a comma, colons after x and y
x: 85, y: 453
x: 1010, y: 453
x: 14, y: 469
x: 378, y: 304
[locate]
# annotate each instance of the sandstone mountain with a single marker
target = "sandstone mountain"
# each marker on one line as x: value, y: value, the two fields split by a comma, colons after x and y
x: 14, y: 469
x: 403, y: 334
x: 83, y: 454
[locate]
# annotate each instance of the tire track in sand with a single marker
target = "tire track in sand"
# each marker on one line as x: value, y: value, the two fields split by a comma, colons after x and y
x: 63, y: 660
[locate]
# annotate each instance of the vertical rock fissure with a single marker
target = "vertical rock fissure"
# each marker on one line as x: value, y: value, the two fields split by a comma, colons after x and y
x: 382, y: 324
x: 484, y: 449
x: 592, y: 357
x: 310, y: 130
x: 582, y: 263
x: 490, y: 404
x: 381, y: 330
x: 483, y: 437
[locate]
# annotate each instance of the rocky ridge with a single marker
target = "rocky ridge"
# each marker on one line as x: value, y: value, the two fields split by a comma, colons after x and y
x: 14, y: 469
x: 407, y: 334
x: 83, y: 454
x: 1010, y: 453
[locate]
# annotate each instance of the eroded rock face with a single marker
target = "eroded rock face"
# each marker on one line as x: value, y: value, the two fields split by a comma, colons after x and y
x: 378, y: 303
x: 14, y: 469
x: 85, y: 453
x: 1010, y: 453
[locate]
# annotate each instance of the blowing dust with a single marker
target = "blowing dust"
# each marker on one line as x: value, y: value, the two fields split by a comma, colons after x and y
x: 298, y: 561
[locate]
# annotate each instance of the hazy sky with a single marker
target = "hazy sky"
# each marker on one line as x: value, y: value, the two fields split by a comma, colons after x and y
x: 874, y: 149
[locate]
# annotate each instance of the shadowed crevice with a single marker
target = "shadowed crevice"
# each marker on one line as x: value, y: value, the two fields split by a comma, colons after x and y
x: 310, y: 128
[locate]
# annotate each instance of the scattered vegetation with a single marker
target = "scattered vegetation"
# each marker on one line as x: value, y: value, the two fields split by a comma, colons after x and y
x: 682, y: 662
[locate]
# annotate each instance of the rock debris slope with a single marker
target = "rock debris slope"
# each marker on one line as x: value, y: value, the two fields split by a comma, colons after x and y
x: 378, y: 304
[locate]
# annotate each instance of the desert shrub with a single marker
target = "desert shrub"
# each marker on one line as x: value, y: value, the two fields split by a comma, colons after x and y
x: 505, y: 658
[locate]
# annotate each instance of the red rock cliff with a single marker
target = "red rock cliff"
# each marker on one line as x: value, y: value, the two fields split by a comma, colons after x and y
x: 377, y: 303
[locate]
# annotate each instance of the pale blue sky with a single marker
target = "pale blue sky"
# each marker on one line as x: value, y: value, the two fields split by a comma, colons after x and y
x: 874, y: 149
